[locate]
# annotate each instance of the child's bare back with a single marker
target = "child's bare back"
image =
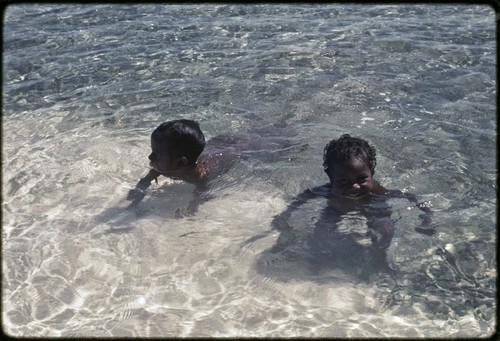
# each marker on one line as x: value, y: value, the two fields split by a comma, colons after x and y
x: 222, y: 151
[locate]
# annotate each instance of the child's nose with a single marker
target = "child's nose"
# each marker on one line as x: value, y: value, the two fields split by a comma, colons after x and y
x: 356, y: 186
x: 152, y: 157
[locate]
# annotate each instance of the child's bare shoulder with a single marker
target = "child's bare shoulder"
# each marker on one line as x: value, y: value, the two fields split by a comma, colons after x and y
x: 219, y: 154
x: 222, y: 147
x: 323, y: 190
x: 378, y: 189
x: 233, y: 141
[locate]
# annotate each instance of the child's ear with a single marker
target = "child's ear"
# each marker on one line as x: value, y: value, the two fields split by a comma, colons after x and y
x: 182, y: 162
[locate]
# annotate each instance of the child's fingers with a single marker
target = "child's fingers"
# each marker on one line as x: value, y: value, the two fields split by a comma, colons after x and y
x: 135, y: 194
x: 280, y: 224
x: 428, y: 230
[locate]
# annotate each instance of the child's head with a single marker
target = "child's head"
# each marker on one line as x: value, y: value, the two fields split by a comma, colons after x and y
x: 176, y: 144
x: 350, y: 164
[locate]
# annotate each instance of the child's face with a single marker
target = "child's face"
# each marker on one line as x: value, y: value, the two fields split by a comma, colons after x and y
x: 351, y: 179
x: 161, y: 159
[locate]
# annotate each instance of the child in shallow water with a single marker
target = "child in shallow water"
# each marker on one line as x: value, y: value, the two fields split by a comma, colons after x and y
x: 350, y: 165
x: 179, y: 151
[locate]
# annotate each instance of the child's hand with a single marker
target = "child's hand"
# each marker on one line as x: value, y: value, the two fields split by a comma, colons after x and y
x: 136, y: 194
x: 426, y: 227
x: 185, y: 212
x: 280, y: 224
x: 139, y: 191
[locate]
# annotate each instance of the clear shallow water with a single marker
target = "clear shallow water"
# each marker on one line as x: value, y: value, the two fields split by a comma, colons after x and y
x: 84, y: 86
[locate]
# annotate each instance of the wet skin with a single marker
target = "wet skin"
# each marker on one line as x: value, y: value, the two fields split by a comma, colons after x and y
x: 353, y: 189
x: 217, y: 158
x: 353, y: 179
x: 352, y: 186
x: 163, y: 162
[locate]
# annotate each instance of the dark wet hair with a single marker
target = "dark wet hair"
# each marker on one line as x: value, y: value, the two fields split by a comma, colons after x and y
x: 183, y: 137
x: 345, y: 148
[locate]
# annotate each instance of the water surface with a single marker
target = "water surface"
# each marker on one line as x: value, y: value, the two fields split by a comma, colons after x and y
x: 85, y: 85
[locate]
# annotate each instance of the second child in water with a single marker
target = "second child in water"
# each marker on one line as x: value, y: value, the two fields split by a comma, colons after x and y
x: 350, y: 165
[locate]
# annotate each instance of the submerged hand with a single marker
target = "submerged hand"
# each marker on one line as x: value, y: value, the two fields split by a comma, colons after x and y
x: 136, y: 194
x: 426, y: 227
x: 279, y: 223
x: 427, y: 230
x: 187, y: 212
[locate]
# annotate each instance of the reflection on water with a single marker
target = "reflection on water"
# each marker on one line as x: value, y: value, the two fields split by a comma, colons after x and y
x: 83, y: 92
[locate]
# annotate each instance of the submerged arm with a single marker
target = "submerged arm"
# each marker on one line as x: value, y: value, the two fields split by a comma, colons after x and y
x: 426, y: 227
x: 382, y: 231
x: 280, y: 221
x: 137, y: 194
x: 200, y: 195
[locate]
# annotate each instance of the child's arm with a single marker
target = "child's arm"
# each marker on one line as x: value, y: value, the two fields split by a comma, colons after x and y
x: 381, y: 230
x: 280, y: 221
x: 201, y: 195
x: 135, y: 195
x: 426, y: 226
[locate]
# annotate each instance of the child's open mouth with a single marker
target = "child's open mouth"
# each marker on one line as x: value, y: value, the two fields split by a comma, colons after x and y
x: 352, y: 193
x: 355, y: 193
